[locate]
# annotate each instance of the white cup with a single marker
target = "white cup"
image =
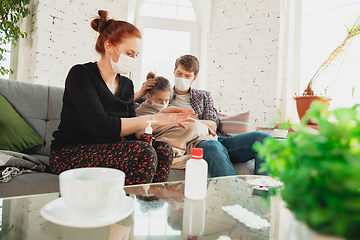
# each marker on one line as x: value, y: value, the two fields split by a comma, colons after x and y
x: 92, y: 192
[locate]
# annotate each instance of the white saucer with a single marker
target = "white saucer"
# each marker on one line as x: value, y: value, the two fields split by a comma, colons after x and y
x: 57, y: 212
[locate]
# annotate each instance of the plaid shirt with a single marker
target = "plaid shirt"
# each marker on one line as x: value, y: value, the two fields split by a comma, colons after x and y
x: 203, y: 105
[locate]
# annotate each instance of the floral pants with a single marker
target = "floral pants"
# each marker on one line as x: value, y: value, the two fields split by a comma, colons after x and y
x: 141, y: 162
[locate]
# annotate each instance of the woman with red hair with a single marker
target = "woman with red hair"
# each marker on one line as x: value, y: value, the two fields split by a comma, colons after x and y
x: 98, y: 112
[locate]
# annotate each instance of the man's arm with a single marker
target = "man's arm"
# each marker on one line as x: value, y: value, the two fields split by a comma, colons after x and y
x: 203, y: 105
x: 204, y: 101
x: 148, y: 84
x: 211, y: 124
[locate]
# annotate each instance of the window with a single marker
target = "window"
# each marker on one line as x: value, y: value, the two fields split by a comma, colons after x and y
x: 161, y: 48
x: 169, y: 29
x: 7, y: 63
x: 176, y: 9
x: 322, y: 30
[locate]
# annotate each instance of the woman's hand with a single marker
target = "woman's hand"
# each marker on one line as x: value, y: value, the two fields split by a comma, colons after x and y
x: 171, y: 115
x: 174, y: 115
x: 178, y: 110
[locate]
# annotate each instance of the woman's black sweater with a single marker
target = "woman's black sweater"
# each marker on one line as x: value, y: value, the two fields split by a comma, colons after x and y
x: 91, y: 112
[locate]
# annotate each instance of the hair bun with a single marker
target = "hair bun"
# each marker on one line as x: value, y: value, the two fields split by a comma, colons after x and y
x: 99, y: 23
x: 150, y: 75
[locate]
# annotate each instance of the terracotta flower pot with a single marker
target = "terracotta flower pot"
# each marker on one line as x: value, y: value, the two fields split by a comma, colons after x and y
x: 303, y: 103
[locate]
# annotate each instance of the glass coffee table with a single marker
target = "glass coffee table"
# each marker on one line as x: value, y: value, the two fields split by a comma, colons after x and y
x: 160, y: 212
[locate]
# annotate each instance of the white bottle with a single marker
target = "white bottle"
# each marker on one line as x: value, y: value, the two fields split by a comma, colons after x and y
x: 196, y: 173
x: 147, y: 136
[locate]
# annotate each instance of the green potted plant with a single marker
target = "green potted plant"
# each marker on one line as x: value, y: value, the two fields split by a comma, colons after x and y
x: 320, y: 170
x: 12, y: 12
x: 303, y: 102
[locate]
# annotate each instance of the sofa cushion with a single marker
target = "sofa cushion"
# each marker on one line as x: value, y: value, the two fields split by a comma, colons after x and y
x: 15, y: 134
x: 236, y: 124
x: 246, y: 168
x: 31, y: 102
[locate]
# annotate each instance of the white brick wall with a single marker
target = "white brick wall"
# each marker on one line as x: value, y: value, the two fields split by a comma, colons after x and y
x: 243, y: 51
x: 62, y: 36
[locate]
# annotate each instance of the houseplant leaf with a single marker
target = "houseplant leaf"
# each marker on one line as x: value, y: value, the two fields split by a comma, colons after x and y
x: 320, y: 170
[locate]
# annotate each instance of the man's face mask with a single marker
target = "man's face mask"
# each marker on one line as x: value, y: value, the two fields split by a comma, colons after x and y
x: 182, y: 84
x: 124, y: 64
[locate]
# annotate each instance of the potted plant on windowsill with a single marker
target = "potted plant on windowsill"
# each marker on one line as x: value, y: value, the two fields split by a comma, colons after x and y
x: 320, y: 170
x: 303, y: 102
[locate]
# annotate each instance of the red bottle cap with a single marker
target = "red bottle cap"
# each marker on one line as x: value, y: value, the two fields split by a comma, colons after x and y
x: 197, y: 152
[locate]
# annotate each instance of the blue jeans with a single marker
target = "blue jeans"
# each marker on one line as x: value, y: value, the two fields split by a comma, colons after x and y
x: 221, y: 154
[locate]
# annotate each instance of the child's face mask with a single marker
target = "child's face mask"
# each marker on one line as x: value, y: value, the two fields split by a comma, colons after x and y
x: 159, y: 105
x: 159, y: 99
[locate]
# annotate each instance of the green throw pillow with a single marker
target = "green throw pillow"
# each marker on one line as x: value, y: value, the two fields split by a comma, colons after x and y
x: 15, y: 134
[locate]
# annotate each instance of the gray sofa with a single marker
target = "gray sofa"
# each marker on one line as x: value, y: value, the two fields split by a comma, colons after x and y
x: 40, y: 107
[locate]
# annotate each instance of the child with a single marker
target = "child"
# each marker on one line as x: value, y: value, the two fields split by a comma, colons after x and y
x: 182, y: 140
x: 157, y: 98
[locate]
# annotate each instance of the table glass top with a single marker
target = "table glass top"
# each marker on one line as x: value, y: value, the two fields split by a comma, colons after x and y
x: 160, y: 212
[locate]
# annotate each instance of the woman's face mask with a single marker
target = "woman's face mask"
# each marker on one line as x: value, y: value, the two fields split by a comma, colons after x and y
x: 124, y: 64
